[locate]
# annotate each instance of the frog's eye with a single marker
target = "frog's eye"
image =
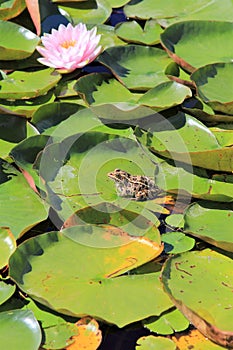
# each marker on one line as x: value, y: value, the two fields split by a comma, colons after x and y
x: 117, y: 170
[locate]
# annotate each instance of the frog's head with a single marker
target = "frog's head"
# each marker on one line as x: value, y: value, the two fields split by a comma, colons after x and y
x: 118, y: 175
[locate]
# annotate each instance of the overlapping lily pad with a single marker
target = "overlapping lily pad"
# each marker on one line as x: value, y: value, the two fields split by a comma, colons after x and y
x: 88, y: 12
x: 214, y: 224
x: 208, y: 79
x: 192, y: 44
x: 28, y: 85
x: 16, y: 42
x: 150, y: 342
x: 170, y: 11
x: 29, y: 209
x: 165, y: 95
x: 7, y: 245
x: 183, y: 138
x: 134, y: 33
x: 89, y: 289
x: 204, y: 301
x: 6, y: 291
x: 137, y: 67
x: 19, y: 329
x: 10, y: 9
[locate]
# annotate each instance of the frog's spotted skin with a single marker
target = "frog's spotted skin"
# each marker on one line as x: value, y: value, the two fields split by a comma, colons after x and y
x: 137, y: 187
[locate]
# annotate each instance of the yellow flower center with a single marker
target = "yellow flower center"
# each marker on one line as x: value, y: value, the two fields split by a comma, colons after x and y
x: 68, y: 43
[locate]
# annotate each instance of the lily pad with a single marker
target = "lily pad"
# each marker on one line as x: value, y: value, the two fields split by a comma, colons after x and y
x: 117, y: 3
x: 169, y: 11
x: 151, y: 342
x: 169, y: 322
x: 16, y: 42
x: 211, y: 222
x: 11, y: 8
x: 6, y: 291
x: 137, y: 67
x: 165, y: 95
x: 192, y: 44
x: 88, y: 12
x: 7, y: 245
x: 177, y: 242
x: 196, y: 341
x: 108, y: 36
x: 208, y: 79
x: 98, y: 89
x: 90, y: 287
x: 19, y: 330
x: 133, y: 32
x: 17, y: 196
x: 190, y: 181
x: 24, y: 85
x: 206, y: 302
x: 184, y: 139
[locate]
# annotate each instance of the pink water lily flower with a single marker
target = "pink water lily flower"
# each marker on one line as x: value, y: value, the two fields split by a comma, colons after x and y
x: 69, y: 47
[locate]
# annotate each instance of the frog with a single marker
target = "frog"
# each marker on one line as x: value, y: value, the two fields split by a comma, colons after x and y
x: 137, y: 187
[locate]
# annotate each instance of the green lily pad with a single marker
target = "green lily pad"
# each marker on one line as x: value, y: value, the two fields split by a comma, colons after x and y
x: 169, y: 322
x: 89, y: 287
x: 108, y: 36
x: 151, y: 342
x: 16, y: 42
x: 98, y: 89
x: 133, y: 32
x: 184, y: 139
x: 132, y: 219
x: 27, y: 107
x: 199, y: 283
x: 208, y: 79
x: 211, y: 222
x: 137, y: 67
x: 117, y: 3
x: 6, y: 291
x: 20, y: 207
x: 88, y: 12
x: 122, y: 111
x: 192, y: 44
x: 165, y: 95
x: 177, y: 242
x: 24, y: 85
x: 25, y: 154
x: 190, y: 181
x: 169, y: 11
x: 57, y: 332
x: 19, y: 330
x: 50, y: 115
x: 7, y: 245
